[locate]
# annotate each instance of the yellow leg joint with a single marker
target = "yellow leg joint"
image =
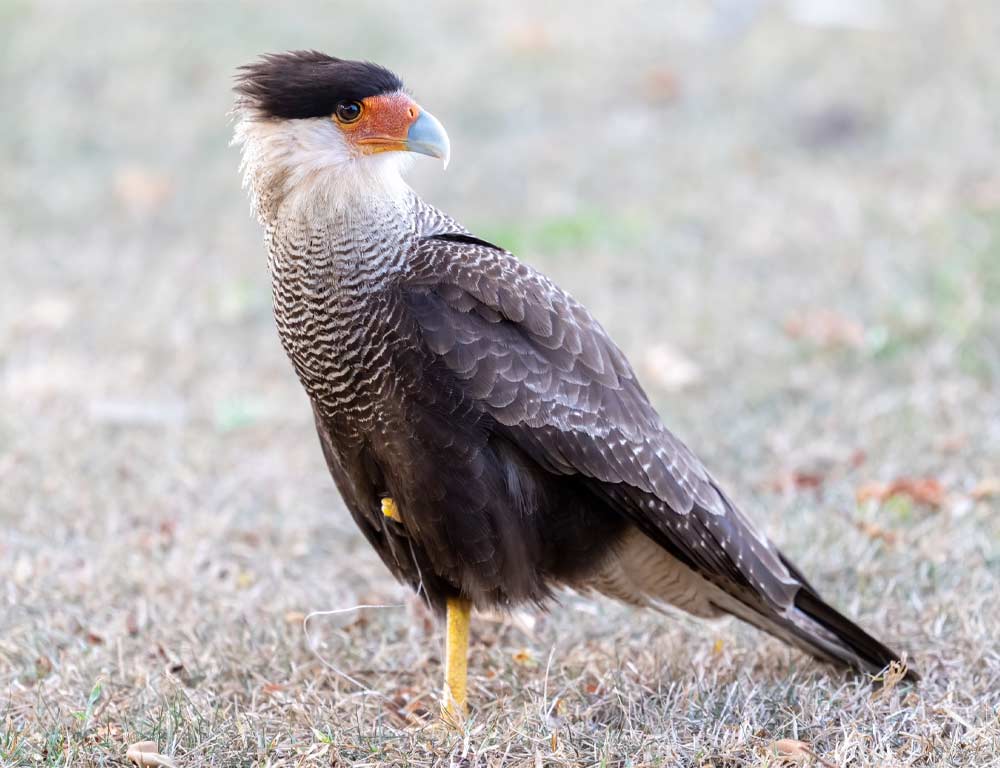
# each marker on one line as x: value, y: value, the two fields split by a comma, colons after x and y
x: 390, y: 510
x: 456, y: 664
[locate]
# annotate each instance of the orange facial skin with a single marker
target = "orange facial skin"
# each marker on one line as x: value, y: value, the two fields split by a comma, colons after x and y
x: 383, y: 124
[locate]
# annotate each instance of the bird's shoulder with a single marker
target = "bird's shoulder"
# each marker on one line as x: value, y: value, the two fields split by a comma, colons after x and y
x: 477, y: 284
x: 544, y: 368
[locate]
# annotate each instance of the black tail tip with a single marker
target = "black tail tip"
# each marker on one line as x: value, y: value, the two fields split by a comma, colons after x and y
x: 860, y: 649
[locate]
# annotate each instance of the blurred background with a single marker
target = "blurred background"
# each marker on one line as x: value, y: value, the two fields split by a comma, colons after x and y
x: 787, y: 213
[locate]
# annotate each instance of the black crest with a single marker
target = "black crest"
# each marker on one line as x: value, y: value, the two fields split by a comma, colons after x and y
x: 301, y: 84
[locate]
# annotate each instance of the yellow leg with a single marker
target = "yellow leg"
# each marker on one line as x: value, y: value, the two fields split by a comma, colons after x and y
x: 390, y: 510
x: 456, y: 664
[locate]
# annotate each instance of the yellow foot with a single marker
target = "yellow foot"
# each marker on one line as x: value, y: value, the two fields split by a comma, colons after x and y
x: 456, y: 664
x: 390, y: 510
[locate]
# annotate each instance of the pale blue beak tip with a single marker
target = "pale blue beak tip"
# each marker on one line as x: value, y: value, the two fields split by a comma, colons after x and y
x: 428, y: 137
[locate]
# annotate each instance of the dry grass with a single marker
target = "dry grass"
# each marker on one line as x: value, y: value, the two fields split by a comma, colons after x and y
x: 793, y: 229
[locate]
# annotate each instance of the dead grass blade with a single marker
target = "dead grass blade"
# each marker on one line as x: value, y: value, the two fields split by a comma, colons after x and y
x: 795, y: 752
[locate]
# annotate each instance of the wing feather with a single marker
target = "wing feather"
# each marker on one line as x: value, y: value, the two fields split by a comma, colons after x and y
x: 547, y: 373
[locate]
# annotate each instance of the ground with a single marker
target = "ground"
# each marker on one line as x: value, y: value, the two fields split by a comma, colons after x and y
x: 787, y: 214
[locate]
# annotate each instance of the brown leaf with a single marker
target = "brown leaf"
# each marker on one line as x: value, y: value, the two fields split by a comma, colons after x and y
x: 923, y: 490
x: 144, y: 755
x: 876, y: 531
x: 793, y: 751
x: 789, y: 481
x: 889, y: 679
x: 525, y: 658
x: 825, y: 328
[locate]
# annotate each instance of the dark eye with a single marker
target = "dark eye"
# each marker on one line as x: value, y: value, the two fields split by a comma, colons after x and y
x: 348, y: 111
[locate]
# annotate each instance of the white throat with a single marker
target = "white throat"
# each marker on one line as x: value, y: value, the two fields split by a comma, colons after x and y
x: 306, y: 167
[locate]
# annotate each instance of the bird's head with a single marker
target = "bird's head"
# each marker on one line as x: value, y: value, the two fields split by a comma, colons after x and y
x: 310, y: 122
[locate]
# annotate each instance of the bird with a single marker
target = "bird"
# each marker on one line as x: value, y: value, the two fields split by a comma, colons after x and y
x: 492, y: 443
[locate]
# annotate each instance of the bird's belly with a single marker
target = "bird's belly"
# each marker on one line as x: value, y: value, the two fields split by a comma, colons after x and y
x: 641, y: 572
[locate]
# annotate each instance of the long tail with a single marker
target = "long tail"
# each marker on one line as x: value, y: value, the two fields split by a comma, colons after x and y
x: 822, y: 631
x: 841, y: 638
x: 642, y: 572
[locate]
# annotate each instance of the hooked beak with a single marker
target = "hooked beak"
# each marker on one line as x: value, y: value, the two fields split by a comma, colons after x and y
x: 395, y: 123
x: 427, y: 136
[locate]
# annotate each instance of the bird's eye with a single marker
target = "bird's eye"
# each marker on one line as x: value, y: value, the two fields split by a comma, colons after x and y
x: 348, y: 111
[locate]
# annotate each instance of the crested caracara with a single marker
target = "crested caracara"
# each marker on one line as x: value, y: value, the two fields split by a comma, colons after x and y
x: 490, y: 440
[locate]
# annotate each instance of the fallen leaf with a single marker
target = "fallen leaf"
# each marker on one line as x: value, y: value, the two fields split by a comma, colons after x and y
x: 144, y: 754
x: 876, y: 531
x: 132, y: 623
x: 670, y: 368
x: 889, y: 679
x: 661, y: 86
x: 986, y: 488
x: 524, y: 658
x: 43, y: 665
x: 417, y: 709
x: 142, y: 190
x: 271, y: 688
x: 825, y: 328
x: 718, y: 646
x: 294, y: 617
x: 795, y: 751
x: 789, y: 481
x: 529, y: 38
x: 923, y: 490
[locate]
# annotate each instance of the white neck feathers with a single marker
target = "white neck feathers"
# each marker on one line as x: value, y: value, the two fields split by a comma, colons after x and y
x: 305, y: 167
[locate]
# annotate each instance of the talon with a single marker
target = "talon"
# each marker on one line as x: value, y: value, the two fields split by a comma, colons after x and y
x: 390, y: 510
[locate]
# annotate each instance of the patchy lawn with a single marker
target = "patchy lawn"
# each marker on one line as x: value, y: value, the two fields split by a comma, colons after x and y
x: 788, y: 214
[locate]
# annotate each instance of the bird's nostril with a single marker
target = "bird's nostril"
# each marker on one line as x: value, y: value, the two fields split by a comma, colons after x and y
x: 412, y: 112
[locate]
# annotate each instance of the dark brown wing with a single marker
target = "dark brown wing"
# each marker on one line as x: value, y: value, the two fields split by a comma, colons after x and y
x: 543, y: 368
